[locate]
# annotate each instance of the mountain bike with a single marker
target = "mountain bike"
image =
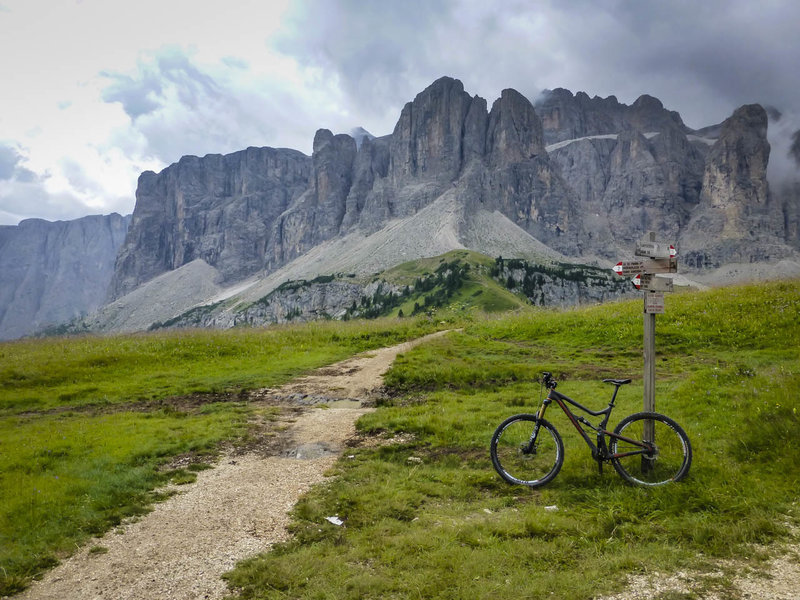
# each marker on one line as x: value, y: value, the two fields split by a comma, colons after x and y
x: 646, y: 448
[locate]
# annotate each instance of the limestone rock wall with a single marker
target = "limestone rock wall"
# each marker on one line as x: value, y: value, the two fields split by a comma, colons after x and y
x: 52, y: 272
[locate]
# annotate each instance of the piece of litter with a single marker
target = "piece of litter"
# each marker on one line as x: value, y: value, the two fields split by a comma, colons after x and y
x: 351, y: 456
x: 551, y: 508
x: 414, y: 459
x: 487, y: 511
x: 335, y: 520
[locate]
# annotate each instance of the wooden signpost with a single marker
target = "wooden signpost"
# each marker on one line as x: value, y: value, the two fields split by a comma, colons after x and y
x: 656, y: 258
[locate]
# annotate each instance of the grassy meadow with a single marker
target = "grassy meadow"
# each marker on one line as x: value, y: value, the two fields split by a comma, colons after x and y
x: 425, y: 516
x: 90, y: 425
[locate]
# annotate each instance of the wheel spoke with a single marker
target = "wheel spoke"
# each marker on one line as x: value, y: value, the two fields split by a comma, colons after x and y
x: 666, y: 456
x: 519, y: 458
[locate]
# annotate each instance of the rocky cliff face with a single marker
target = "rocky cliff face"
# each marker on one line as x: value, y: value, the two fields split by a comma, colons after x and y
x: 218, y: 208
x: 317, y: 215
x: 567, y: 117
x: 53, y: 272
x: 737, y: 218
x: 256, y: 210
x: 583, y: 176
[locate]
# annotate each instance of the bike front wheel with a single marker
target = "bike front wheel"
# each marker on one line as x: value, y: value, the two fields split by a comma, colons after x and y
x: 527, y: 450
x: 652, y: 449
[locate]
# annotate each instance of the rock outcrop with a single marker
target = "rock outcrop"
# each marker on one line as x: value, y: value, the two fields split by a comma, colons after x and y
x: 52, y: 272
x: 317, y: 215
x: 217, y: 208
x: 567, y: 117
x: 737, y: 218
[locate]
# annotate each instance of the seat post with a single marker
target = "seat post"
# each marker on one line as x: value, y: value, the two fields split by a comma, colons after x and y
x: 614, y: 395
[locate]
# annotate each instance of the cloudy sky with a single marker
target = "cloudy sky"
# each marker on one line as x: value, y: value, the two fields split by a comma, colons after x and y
x: 96, y: 91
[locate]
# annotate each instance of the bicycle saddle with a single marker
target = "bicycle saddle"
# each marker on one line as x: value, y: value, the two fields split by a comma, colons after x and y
x: 617, y: 381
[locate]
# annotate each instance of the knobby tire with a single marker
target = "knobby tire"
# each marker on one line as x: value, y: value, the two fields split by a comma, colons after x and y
x: 671, y: 456
x: 518, y: 463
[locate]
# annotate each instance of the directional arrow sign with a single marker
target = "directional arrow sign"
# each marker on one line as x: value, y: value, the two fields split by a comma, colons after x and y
x: 637, y: 282
x: 650, y: 248
x: 628, y: 268
x: 655, y: 250
x: 661, y: 265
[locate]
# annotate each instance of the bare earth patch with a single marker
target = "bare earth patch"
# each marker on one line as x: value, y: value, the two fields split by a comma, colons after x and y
x: 239, y: 508
x: 777, y: 580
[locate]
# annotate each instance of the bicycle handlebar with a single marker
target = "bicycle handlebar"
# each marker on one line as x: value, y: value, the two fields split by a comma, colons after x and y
x: 549, y: 382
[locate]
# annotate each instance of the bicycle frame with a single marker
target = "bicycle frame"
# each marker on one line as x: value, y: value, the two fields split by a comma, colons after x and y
x: 599, y: 450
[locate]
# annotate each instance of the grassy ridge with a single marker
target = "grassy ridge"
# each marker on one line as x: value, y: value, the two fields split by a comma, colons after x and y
x: 477, y: 289
x: 426, y: 516
x: 87, y: 424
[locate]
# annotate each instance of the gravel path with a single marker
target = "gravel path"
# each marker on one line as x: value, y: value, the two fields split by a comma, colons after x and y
x: 239, y: 508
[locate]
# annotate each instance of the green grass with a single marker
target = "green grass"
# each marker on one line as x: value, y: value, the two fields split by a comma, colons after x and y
x: 88, y: 424
x: 478, y: 294
x: 427, y: 516
x: 52, y: 373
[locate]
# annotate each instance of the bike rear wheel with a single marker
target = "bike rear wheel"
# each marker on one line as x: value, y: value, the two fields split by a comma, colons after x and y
x: 527, y: 450
x: 667, y: 458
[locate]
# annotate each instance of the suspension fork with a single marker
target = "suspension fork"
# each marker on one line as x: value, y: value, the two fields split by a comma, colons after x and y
x: 545, y: 403
x: 531, y: 446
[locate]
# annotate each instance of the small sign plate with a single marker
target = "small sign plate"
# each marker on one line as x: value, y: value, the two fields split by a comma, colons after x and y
x: 654, y: 303
x: 654, y: 283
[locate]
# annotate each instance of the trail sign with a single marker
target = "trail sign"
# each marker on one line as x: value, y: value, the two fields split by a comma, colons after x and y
x: 649, y: 247
x: 655, y: 258
x: 654, y: 283
x: 655, y: 250
x: 626, y: 268
x: 654, y: 303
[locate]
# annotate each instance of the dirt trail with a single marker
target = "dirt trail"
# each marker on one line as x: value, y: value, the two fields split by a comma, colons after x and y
x: 239, y: 508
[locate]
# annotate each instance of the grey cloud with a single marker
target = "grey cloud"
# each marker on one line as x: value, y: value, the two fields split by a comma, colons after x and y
x: 794, y: 149
x: 11, y: 166
x: 179, y: 108
x: 9, y: 158
x: 702, y: 59
x: 137, y: 97
x: 234, y: 62
x: 24, y: 175
x: 78, y: 178
x: 378, y: 49
x: 20, y: 200
x: 146, y: 92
